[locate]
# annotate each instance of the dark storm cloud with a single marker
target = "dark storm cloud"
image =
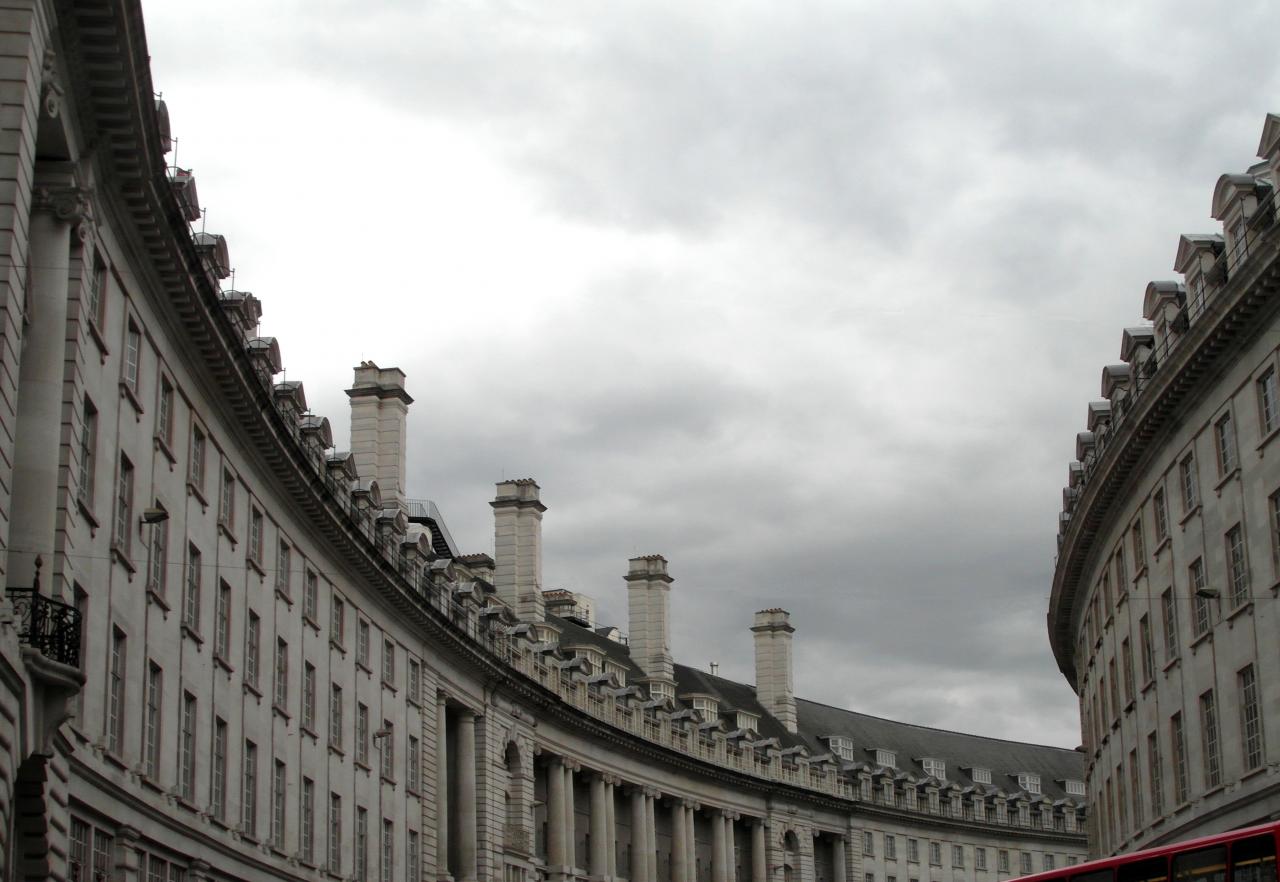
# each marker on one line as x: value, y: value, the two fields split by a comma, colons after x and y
x: 808, y: 297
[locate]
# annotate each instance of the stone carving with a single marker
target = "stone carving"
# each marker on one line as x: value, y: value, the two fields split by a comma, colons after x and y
x: 73, y: 205
x: 50, y: 89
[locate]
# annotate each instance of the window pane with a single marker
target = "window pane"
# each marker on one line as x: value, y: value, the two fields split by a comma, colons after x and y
x: 1205, y: 865
x: 1254, y: 860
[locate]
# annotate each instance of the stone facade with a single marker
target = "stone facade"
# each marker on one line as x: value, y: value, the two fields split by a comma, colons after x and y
x: 1163, y: 612
x: 288, y: 669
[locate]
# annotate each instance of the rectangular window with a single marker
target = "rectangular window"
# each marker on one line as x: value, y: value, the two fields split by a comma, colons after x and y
x: 1169, y: 612
x: 935, y: 854
x: 1250, y: 719
x: 1275, y: 527
x: 1148, y: 652
x: 1115, y: 689
x: 159, y: 557
x: 218, y: 776
x: 1224, y: 433
x: 1126, y: 658
x: 362, y: 733
x: 1209, y: 740
x: 337, y: 620
x: 124, y: 507
x: 385, y: 863
x: 157, y: 868
x: 890, y: 847
x: 115, y: 697
x: 362, y: 845
x: 362, y: 643
x: 957, y: 855
x: 282, y: 674
x: 81, y: 843
x: 1048, y: 862
x: 868, y: 842
x: 1237, y: 567
x: 198, y: 446
x: 1203, y: 614
x: 1139, y: 544
x: 980, y: 858
x: 1190, y: 483
x: 1002, y: 860
x: 227, y: 501
x: 132, y: 357
x: 388, y: 662
x: 191, y: 597
x: 307, y: 820
x: 278, y: 788
x: 252, y: 643
x: 413, y: 765
x: 96, y: 302
x: 255, y: 536
x: 1162, y: 515
x: 103, y: 856
x: 284, y: 569
x: 1181, y: 781
x: 1268, y: 405
x: 308, y: 696
x: 1122, y: 570
x: 387, y: 750
x: 310, y: 595
x: 1121, y: 803
x: 187, y: 748
x: 151, y: 721
x: 1154, y: 774
x: 913, y: 850
x: 412, y: 857
x: 335, y: 715
x: 248, y: 791
x: 335, y: 833
x: 1025, y: 858
x: 1135, y: 787
x: 88, y: 452
x: 415, y: 681
x: 222, y: 627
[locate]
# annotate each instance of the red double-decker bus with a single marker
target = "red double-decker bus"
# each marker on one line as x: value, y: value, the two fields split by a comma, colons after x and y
x: 1247, y: 855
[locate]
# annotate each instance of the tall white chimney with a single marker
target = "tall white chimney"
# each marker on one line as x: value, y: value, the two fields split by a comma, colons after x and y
x: 649, y: 615
x: 517, y: 546
x: 774, y: 686
x: 379, y: 408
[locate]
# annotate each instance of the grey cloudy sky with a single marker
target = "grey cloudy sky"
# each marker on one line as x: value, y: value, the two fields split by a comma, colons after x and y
x: 807, y: 296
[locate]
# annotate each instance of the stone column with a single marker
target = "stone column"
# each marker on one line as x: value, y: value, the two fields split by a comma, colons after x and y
x: 837, y: 860
x: 731, y: 867
x: 679, y: 843
x: 57, y: 207
x: 555, y: 816
x: 639, y: 837
x: 570, y: 818
x: 465, y: 751
x: 759, y: 859
x: 599, y: 822
x: 651, y: 834
x: 442, y: 788
x: 719, y: 872
x: 690, y: 818
x: 611, y: 825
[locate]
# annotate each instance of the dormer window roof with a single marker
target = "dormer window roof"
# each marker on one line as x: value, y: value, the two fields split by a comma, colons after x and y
x: 1160, y: 294
x: 1231, y: 190
x: 1030, y: 782
x: 841, y: 746
x: 1134, y: 340
x: 885, y: 757
x: 1195, y: 245
x: 1099, y: 414
x: 980, y: 775
x: 1084, y: 445
x: 1075, y: 788
x: 748, y: 721
x: 934, y: 767
x: 1114, y: 377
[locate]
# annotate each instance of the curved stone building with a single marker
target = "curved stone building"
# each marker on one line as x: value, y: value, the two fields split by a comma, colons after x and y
x: 1163, y: 614
x: 230, y: 651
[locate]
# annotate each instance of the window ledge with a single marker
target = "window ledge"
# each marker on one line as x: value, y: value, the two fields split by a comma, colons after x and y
x: 188, y: 631
x: 1216, y: 788
x: 387, y: 780
x: 1234, y: 474
x: 1253, y: 773
x: 118, y: 552
x: 132, y: 398
x: 1191, y: 513
x: 157, y: 598
x: 309, y: 732
x: 254, y: 690
x: 334, y: 644
x: 223, y: 663
x: 1147, y: 686
x: 361, y: 666
x: 1139, y: 573
x: 1161, y: 546
x: 336, y: 750
x: 1246, y: 607
x: 1266, y: 440
x: 194, y: 489
x: 1128, y: 708
x: 98, y: 340
x: 225, y: 527
x: 1206, y: 636
x: 311, y: 623
x: 163, y: 446
x: 86, y: 509
x: 1171, y: 663
x: 387, y: 684
x: 284, y: 595
x: 256, y: 567
x: 280, y: 711
x: 363, y: 766
x: 1124, y: 597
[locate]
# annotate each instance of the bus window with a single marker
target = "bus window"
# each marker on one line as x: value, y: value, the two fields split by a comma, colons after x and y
x: 1153, y: 870
x: 1253, y: 860
x: 1205, y: 865
x: 1095, y: 876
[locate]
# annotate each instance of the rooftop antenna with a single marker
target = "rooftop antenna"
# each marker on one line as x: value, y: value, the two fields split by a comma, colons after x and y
x: 233, y: 278
x: 174, y: 141
x: 204, y: 217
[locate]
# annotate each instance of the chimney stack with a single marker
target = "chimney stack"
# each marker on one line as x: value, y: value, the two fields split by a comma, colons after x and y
x: 774, y: 686
x: 649, y: 616
x: 379, y: 408
x: 517, y: 545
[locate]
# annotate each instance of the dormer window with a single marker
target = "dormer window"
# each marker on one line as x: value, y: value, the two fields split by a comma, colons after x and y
x: 935, y: 767
x: 748, y: 721
x: 662, y: 691
x: 1029, y: 782
x: 981, y: 776
x: 1075, y: 788
x: 618, y: 671
x: 841, y: 747
x: 886, y: 758
x: 708, y: 707
x: 593, y: 660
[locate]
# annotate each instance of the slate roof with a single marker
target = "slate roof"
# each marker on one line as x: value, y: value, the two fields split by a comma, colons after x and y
x: 912, y: 743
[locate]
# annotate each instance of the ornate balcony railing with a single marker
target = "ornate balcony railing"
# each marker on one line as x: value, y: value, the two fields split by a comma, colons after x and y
x: 49, y: 625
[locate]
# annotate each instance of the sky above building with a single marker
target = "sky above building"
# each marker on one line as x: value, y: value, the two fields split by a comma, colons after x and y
x: 808, y: 297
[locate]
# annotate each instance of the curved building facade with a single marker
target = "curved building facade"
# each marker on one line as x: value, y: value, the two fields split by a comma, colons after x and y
x: 231, y: 651
x: 1163, y: 614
